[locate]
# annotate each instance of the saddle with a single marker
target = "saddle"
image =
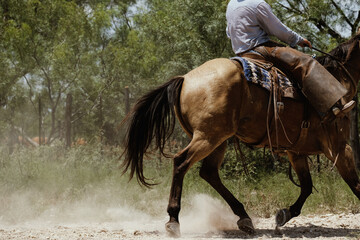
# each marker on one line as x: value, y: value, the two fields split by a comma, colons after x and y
x: 266, y: 75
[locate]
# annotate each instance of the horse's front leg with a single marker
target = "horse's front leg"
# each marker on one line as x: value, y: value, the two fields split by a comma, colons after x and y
x: 301, y: 167
x: 347, y: 169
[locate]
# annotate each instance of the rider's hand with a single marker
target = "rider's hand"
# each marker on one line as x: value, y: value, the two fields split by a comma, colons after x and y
x: 305, y: 43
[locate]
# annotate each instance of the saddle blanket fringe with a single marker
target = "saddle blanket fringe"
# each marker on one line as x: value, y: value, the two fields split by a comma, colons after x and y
x: 262, y: 77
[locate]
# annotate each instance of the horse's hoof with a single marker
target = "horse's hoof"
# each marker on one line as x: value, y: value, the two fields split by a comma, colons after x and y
x: 246, y: 225
x: 282, y: 217
x: 173, y: 229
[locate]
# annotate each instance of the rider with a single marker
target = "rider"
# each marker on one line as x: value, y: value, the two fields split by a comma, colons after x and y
x: 249, y: 25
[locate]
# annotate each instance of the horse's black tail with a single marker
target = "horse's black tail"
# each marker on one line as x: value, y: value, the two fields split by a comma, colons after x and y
x: 153, y: 116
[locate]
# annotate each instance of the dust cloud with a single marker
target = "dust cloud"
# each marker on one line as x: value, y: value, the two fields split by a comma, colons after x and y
x: 27, y: 215
x: 207, y: 214
x: 201, y: 213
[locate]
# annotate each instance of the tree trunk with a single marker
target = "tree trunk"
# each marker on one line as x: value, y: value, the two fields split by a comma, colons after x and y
x: 127, y: 100
x: 12, y: 139
x: 101, y: 119
x: 40, y: 122
x: 68, y: 120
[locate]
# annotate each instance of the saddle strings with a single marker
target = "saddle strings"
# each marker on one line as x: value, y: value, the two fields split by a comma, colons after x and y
x: 268, y: 124
x: 273, y: 96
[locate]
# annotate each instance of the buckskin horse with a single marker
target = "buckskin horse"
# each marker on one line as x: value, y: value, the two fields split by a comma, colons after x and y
x: 214, y: 102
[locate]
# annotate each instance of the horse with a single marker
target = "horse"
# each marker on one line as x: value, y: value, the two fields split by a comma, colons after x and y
x: 214, y: 102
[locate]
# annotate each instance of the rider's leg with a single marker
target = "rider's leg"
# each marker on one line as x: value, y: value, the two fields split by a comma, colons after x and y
x: 322, y: 89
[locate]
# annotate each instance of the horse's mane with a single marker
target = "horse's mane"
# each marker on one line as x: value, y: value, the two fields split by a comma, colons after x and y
x: 341, y: 52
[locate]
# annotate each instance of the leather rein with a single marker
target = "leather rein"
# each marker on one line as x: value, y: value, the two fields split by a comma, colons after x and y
x: 340, y: 62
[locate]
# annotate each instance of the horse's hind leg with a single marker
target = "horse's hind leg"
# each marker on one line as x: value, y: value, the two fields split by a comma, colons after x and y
x: 346, y: 167
x: 198, y: 149
x: 210, y: 172
x: 301, y: 167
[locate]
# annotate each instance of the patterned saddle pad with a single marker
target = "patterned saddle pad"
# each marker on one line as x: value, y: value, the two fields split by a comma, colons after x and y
x: 262, y: 77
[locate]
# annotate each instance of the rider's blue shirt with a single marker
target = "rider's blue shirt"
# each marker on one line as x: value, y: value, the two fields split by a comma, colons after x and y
x: 251, y: 22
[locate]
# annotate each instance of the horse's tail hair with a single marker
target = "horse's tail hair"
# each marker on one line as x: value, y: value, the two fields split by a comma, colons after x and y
x: 152, y: 117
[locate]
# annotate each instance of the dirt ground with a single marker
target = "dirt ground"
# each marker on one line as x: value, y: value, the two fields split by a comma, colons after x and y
x: 330, y: 226
x: 207, y: 218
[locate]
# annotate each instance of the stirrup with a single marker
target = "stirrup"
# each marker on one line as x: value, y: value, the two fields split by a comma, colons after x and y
x: 345, y: 109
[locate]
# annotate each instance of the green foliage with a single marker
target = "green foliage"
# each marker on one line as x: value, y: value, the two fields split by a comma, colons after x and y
x: 93, y: 49
x: 325, y: 29
x: 190, y: 33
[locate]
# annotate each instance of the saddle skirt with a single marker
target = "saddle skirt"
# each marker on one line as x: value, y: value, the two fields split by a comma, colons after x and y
x: 259, y: 73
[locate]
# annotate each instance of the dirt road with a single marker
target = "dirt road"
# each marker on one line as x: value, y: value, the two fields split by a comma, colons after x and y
x: 207, y: 218
x: 344, y: 226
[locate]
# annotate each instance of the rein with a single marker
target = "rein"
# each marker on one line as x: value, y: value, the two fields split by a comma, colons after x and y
x: 353, y: 82
x: 327, y: 54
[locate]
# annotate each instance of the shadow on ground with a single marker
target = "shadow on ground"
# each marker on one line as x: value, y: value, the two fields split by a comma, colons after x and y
x: 311, y: 231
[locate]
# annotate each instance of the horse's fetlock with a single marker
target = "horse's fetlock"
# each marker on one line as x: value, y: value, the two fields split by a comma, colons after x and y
x: 173, y: 210
x: 294, y: 213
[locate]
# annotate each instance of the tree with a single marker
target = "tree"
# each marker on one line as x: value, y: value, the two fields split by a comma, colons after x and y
x: 325, y: 29
x: 52, y: 48
x: 185, y: 33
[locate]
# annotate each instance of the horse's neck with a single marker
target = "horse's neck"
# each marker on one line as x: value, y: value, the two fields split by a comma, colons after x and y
x: 353, y: 63
x: 352, y: 72
x: 349, y: 76
x: 353, y: 66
